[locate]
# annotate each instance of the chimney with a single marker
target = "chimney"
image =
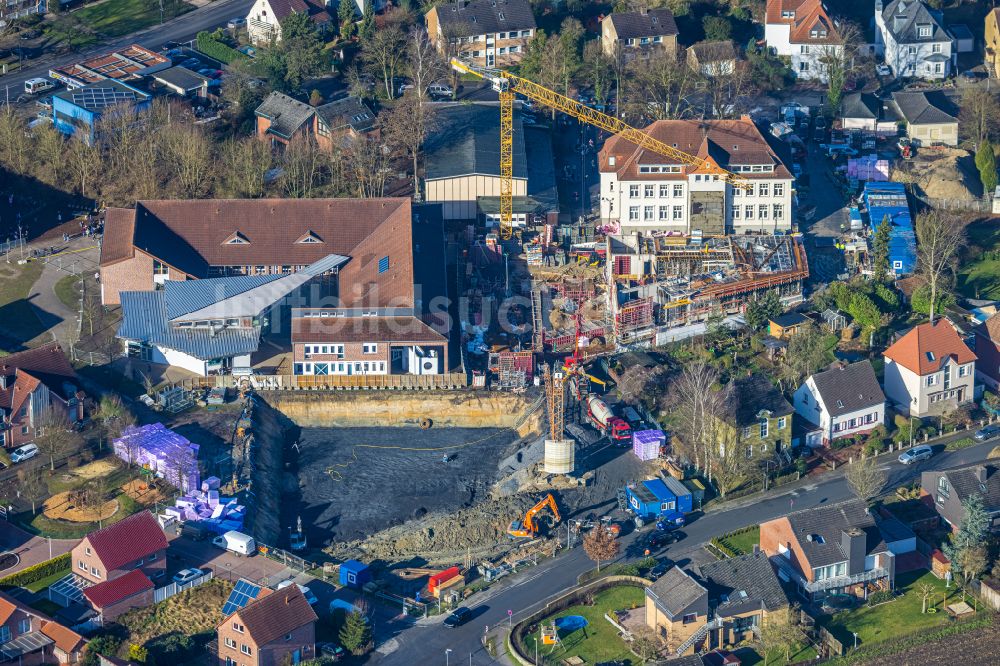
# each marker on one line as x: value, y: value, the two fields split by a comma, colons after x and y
x: 853, y: 542
x: 981, y: 474
x: 644, y: 11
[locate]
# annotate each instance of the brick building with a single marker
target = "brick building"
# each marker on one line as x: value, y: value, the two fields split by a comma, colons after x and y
x: 281, y: 118
x: 490, y: 33
x: 275, y: 629
x: 137, y: 542
x: 28, y: 637
x: 32, y: 382
x: 115, y: 597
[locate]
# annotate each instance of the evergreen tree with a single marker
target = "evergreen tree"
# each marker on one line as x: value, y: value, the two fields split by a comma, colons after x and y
x: 356, y: 634
x: 973, y: 531
x: 764, y: 308
x: 880, y: 249
x: 302, y: 49
x: 367, y: 29
x: 345, y: 16
x: 986, y: 162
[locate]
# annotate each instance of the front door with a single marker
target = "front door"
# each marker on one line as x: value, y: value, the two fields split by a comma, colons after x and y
x: 296, y: 657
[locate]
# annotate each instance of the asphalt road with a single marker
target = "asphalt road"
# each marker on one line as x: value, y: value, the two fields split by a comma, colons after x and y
x: 180, y: 29
x: 523, y: 593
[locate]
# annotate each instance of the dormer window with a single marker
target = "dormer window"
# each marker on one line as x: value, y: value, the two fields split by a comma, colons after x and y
x: 236, y: 238
x: 924, y: 30
x: 309, y: 237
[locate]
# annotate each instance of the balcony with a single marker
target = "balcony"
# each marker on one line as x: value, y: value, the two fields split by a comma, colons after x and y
x: 828, y: 583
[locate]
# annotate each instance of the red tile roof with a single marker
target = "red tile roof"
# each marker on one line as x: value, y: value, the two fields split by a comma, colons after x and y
x: 990, y: 328
x: 66, y: 639
x: 275, y: 615
x: 128, y: 540
x: 46, y: 364
x: 362, y: 329
x: 775, y: 7
x: 119, y: 229
x: 814, y: 18
x: 7, y: 608
x: 926, y: 347
x: 111, y: 592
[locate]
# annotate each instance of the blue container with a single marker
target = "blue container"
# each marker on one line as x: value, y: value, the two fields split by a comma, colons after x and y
x: 354, y: 574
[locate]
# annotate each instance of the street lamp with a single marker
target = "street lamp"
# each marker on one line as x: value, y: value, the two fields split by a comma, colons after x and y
x: 911, y: 431
x: 446, y: 657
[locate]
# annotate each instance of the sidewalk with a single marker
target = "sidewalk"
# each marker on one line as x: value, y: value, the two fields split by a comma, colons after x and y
x: 31, y: 549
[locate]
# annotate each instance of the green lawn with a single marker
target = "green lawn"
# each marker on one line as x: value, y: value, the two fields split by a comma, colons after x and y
x: 68, y: 292
x: 962, y: 443
x: 742, y: 542
x: 895, y: 618
x: 43, y: 583
x: 596, y: 642
x: 979, y: 274
x: 18, y: 322
x: 114, y: 18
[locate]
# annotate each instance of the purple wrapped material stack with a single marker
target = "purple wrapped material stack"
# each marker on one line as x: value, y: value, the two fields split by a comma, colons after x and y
x: 646, y: 443
x: 167, y: 454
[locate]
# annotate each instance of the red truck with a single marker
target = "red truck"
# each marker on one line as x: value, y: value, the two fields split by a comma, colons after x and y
x: 602, y: 418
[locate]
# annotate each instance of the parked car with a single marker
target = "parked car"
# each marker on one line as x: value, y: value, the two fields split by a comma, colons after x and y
x: 331, y: 651
x: 192, y: 63
x: 973, y: 75
x: 989, y: 432
x: 306, y: 592
x: 211, y: 73
x: 458, y: 617
x: 820, y: 123
x: 187, y: 575
x: 659, y: 539
x: 176, y: 54
x: 237, y: 22
x: 883, y: 70
x: 23, y: 453
x: 440, y: 90
x: 916, y: 454
x: 45, y: 103
x: 658, y: 570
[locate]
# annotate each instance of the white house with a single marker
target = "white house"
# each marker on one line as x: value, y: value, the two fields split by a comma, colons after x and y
x: 643, y: 191
x: 803, y: 32
x: 265, y: 17
x: 844, y: 401
x: 913, y: 40
x: 930, y: 370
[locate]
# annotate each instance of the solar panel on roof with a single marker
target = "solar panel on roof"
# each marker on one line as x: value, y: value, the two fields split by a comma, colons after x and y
x: 101, y: 98
x: 242, y: 594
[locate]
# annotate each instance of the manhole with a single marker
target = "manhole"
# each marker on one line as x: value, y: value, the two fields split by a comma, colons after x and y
x: 8, y: 560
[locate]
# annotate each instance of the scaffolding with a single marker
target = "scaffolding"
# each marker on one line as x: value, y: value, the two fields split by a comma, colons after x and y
x: 513, y: 370
x: 537, y: 324
x: 634, y: 321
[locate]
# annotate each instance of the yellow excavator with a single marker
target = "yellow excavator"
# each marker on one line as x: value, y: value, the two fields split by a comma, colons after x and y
x: 528, y: 528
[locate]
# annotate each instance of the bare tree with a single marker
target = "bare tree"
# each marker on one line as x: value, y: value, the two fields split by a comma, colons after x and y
x: 115, y: 417
x: 48, y: 150
x: 31, y: 483
x: 781, y: 632
x: 974, y: 561
x: 369, y: 161
x: 15, y: 145
x: 55, y: 438
x: 646, y: 644
x: 925, y: 591
x: 865, y: 478
x: 729, y: 459
x: 424, y: 63
x: 384, y: 55
x: 701, y: 403
x: 84, y: 161
x: 600, y: 545
x: 657, y: 88
x: 246, y: 162
x: 979, y: 114
x: 939, y: 238
x: 841, y: 61
x: 405, y: 128
x: 303, y: 163
x: 120, y: 129
x: 190, y: 155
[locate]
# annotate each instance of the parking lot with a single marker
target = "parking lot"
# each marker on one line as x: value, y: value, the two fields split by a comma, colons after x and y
x: 183, y: 553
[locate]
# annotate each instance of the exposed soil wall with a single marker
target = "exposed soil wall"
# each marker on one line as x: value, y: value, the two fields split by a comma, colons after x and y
x: 272, y: 432
x: 467, y: 409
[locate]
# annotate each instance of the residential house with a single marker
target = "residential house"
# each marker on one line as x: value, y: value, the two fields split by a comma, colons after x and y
x: 644, y: 191
x: 803, y: 31
x: 265, y: 17
x: 29, y: 637
x: 78, y: 111
x: 136, y: 543
x: 488, y: 33
x: 31, y: 383
x: 991, y: 38
x: 912, y: 40
x: 677, y: 610
x: 16, y: 9
x: 930, y: 117
x: 712, y: 58
x: 116, y: 597
x: 844, y: 401
x: 867, y: 112
x: 830, y: 549
x: 274, y: 629
x: 930, y: 370
x: 281, y: 118
x: 757, y: 418
x: 788, y: 324
x: 948, y: 489
x: 987, y: 348
x: 462, y: 167
x: 720, y: 607
x: 637, y: 34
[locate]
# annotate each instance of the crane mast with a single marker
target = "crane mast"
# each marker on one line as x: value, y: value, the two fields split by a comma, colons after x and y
x: 508, y: 85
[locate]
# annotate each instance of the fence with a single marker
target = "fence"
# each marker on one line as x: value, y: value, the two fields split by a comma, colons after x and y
x: 450, y: 381
x: 290, y: 560
x: 984, y: 205
x: 8, y: 247
x: 167, y: 591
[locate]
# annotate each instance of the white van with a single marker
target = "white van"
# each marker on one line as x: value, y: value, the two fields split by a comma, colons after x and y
x: 37, y: 85
x: 236, y: 542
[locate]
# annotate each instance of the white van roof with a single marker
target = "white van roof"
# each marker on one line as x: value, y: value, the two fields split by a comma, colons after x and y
x: 37, y: 79
x: 238, y: 536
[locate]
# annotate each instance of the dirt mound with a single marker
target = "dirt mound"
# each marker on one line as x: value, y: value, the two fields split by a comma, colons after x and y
x: 71, y: 506
x: 442, y: 537
x: 940, y: 173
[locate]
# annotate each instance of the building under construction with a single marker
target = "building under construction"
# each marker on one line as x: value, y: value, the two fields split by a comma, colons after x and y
x: 657, y: 284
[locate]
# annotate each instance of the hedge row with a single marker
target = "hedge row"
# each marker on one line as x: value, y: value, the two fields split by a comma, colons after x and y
x: 37, y: 572
x: 215, y: 49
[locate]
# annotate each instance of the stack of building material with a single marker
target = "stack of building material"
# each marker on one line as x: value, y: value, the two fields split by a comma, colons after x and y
x: 164, y: 452
x: 439, y: 582
x: 209, y: 509
x: 647, y: 444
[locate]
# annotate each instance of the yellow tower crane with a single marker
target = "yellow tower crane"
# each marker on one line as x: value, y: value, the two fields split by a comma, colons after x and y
x: 507, y: 85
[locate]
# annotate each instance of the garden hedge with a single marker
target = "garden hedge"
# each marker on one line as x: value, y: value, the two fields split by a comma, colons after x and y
x: 216, y: 49
x: 37, y: 572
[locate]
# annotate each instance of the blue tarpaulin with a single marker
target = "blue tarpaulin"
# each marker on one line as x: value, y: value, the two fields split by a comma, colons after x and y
x: 889, y: 200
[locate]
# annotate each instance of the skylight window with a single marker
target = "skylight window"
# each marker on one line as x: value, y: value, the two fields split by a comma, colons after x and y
x: 383, y: 264
x: 930, y: 356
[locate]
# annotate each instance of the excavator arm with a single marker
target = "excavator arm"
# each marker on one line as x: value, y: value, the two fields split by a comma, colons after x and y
x: 507, y: 84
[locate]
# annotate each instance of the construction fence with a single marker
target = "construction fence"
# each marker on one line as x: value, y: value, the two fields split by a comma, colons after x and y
x: 167, y: 591
x: 449, y: 381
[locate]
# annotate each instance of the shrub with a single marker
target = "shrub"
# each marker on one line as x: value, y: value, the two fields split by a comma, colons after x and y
x: 37, y: 572
x: 880, y: 597
x: 801, y: 466
x: 215, y: 49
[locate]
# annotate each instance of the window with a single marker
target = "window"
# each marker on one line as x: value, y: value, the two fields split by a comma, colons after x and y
x: 245, y: 649
x: 804, y: 66
x: 630, y: 41
x: 689, y: 618
x: 678, y: 212
x: 633, y: 213
x: 749, y: 452
x: 746, y: 431
x: 923, y: 30
x: 526, y: 33
x: 779, y: 189
x: 931, y: 380
x: 911, y: 50
x: 779, y: 212
x: 762, y: 211
x: 678, y: 190
x: 963, y: 371
x: 514, y: 49
x: 633, y: 191
x: 664, y: 191
x: 663, y: 213
x: 647, y: 191
x: 697, y: 178
x: 657, y: 39
x: 237, y: 627
x: 288, y: 637
x: 502, y: 35
x: 88, y: 547
x: 737, y: 191
x: 369, y: 348
x: 763, y: 189
x: 94, y: 572
x: 781, y: 423
x: 4, y: 634
x: 787, y: 15
x: 159, y: 269
x: 936, y: 48
x: 748, y: 212
x: 230, y: 643
x: 804, y: 49
x: 383, y: 264
x: 644, y: 40
x: 647, y: 213
x: 853, y: 423
x: 763, y: 428
x: 736, y: 211
x: 943, y: 488
x: 82, y: 565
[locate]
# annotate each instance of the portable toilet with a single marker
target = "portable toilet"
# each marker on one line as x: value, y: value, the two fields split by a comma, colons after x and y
x: 354, y: 574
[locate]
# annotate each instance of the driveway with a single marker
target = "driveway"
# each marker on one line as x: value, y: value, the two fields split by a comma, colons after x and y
x: 183, y: 552
x: 829, y: 219
x: 31, y: 549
